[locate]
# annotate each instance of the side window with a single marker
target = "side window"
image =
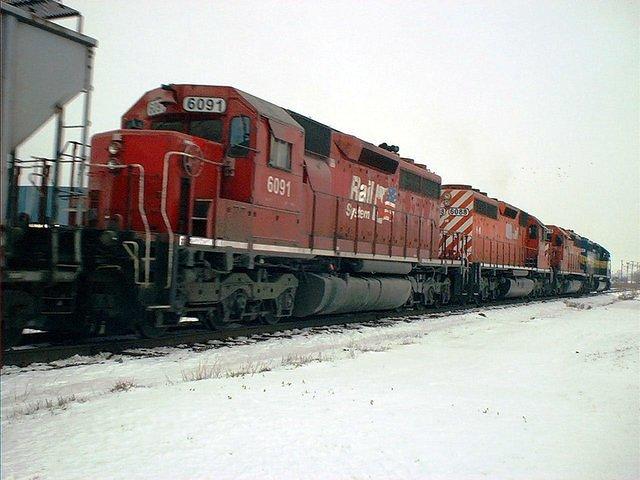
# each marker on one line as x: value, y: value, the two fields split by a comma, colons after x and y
x: 280, y: 154
x: 533, y: 232
x: 239, y: 134
x: 134, y: 124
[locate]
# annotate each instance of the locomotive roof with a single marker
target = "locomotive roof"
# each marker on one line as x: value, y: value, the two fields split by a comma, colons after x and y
x: 565, y: 231
x: 476, y: 192
x: 499, y: 203
x: 270, y: 110
x: 263, y: 107
x: 314, y: 130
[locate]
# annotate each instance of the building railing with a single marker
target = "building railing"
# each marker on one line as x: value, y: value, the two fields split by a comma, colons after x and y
x: 39, y: 172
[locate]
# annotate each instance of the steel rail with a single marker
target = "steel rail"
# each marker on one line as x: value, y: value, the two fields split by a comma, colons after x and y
x: 189, y: 337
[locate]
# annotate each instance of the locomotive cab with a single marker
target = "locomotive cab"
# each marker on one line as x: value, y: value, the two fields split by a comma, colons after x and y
x: 244, y: 173
x: 565, y: 257
x: 537, y: 242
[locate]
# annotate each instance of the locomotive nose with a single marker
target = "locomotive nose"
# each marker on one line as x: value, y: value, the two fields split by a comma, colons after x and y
x: 150, y: 179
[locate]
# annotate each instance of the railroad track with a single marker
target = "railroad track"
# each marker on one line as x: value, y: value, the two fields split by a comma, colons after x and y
x: 50, y: 351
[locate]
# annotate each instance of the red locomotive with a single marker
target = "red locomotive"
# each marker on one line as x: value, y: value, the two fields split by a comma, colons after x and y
x: 215, y: 204
x: 504, y: 244
x: 276, y: 214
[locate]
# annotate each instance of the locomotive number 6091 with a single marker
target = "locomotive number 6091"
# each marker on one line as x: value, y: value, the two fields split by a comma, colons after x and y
x: 204, y: 104
x: 279, y: 186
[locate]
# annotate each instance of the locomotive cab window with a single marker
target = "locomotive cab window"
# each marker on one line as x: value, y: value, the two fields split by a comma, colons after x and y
x: 207, y: 129
x: 280, y: 154
x: 173, y: 126
x: 533, y: 231
x: 239, y: 135
x: 134, y: 124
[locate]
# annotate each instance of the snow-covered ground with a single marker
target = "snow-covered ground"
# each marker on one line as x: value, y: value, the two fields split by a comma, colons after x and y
x: 549, y: 390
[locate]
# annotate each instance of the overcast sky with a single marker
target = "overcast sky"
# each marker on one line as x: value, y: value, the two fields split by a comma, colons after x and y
x: 536, y: 103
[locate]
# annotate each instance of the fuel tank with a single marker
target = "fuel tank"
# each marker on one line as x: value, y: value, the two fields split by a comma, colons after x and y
x: 321, y: 294
x: 378, y: 266
x: 572, y: 286
x: 516, y: 287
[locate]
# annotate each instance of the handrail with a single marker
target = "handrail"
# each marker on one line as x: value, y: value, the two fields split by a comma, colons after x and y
x: 142, y: 211
x: 132, y: 248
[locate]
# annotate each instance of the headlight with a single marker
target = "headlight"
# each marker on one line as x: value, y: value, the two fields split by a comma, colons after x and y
x: 114, y: 147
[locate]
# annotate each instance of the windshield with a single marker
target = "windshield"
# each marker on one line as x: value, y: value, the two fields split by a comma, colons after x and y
x: 208, y: 129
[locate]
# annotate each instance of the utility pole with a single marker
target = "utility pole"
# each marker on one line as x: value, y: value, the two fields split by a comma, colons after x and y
x: 627, y: 272
x: 621, y: 268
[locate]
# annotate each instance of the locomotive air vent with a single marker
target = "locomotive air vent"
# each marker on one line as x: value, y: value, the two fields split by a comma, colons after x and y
x: 389, y: 148
x: 377, y: 160
x: 510, y: 212
x: 317, y: 137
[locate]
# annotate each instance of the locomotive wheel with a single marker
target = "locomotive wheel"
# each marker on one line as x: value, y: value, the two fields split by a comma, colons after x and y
x: 486, y: 293
x: 278, y: 308
x: 216, y: 319
x: 239, y: 304
x: 272, y: 315
x: 428, y: 297
x: 88, y: 326
x: 16, y: 307
x: 152, y: 325
x: 476, y: 299
x: 11, y: 335
x: 445, y: 295
x: 108, y: 305
x: 270, y: 318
